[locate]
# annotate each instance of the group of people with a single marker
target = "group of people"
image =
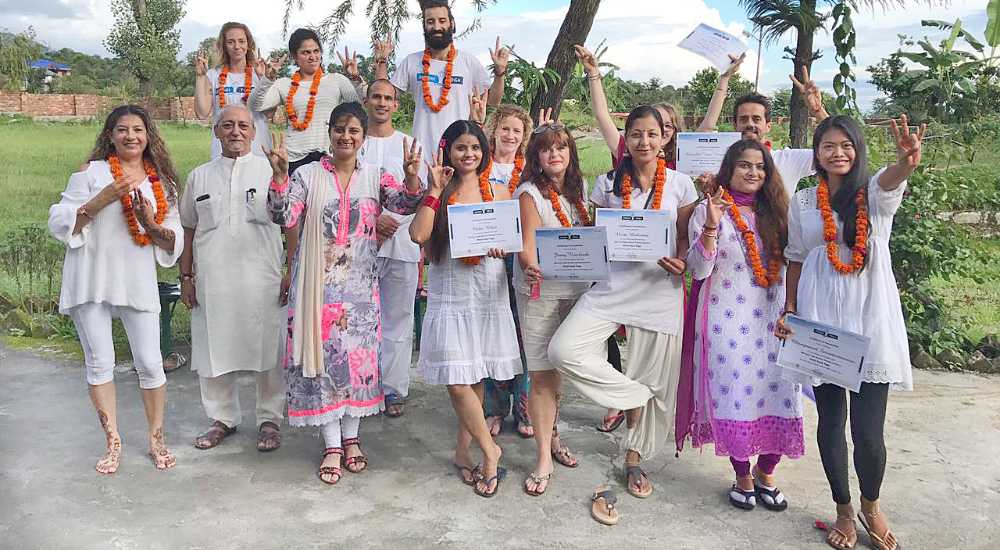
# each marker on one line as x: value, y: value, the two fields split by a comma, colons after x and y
x: 325, y: 321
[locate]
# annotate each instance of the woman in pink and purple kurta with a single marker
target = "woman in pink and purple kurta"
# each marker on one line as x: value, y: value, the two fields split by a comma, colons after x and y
x: 334, y: 325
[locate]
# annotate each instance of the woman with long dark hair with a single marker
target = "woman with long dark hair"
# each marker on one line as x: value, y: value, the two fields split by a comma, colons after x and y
x: 840, y: 274
x: 119, y: 220
x: 740, y: 401
x: 468, y: 333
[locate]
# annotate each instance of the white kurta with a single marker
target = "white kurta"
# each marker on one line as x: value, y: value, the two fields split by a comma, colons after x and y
x: 103, y: 264
x: 387, y: 154
x: 238, y: 324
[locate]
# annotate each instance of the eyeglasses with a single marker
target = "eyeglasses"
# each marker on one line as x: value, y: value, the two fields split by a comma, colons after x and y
x: 548, y: 127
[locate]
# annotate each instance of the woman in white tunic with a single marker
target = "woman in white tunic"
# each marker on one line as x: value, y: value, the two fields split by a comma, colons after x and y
x: 118, y: 218
x: 231, y: 82
x: 468, y: 333
x: 840, y: 274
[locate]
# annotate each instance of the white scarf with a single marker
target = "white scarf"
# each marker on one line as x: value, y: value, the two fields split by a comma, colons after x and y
x: 307, y: 324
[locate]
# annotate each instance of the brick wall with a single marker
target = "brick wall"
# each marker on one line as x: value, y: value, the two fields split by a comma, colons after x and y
x: 66, y: 105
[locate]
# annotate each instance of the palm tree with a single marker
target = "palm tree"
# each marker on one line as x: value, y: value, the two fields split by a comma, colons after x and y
x: 778, y: 17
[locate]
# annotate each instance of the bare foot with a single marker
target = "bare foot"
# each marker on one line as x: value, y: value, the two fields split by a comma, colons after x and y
x: 632, y: 417
x: 108, y: 464
x: 491, y: 463
x: 468, y: 471
x: 844, y: 534
x: 163, y: 459
x: 536, y: 483
x: 495, y: 424
x: 878, y: 526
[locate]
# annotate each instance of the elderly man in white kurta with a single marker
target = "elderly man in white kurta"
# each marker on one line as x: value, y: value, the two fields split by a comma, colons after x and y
x: 398, y: 256
x: 231, y: 279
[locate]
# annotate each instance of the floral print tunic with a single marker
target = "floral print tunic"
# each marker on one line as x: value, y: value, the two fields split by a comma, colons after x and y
x: 349, y: 384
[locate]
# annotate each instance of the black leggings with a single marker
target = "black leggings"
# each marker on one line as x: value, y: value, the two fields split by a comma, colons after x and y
x: 867, y: 424
x: 614, y: 354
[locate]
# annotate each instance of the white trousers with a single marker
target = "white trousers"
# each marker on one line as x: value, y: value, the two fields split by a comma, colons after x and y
x: 221, y: 396
x: 651, y: 370
x: 93, y: 325
x: 335, y: 432
x: 397, y: 282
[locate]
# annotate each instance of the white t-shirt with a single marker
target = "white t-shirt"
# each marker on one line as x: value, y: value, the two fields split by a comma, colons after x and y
x: 387, y: 154
x: 793, y: 165
x: 467, y: 75
x: 642, y: 294
x: 235, y: 87
x: 547, y: 214
x: 500, y: 174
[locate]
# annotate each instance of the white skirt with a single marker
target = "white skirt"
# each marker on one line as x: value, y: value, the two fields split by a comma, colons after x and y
x: 468, y: 331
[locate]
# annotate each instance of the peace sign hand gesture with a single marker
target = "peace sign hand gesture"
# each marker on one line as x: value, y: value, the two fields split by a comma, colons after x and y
x: 349, y: 61
x: 274, y: 66
x: 412, y: 153
x: 200, y: 64
x: 477, y: 106
x: 278, y: 157
x: 501, y: 57
x: 382, y: 50
x: 438, y: 174
x: 715, y: 205
x: 908, y: 146
x: 545, y: 117
x: 587, y: 59
x: 259, y: 65
x: 809, y: 90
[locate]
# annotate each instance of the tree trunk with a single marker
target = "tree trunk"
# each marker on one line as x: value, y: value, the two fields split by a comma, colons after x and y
x: 139, y: 13
x: 574, y: 30
x: 798, y: 131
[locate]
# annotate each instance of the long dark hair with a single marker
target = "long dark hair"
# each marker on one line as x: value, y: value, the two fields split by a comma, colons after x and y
x: 627, y: 165
x: 437, y: 245
x: 843, y: 201
x: 572, y: 187
x: 155, y: 152
x: 771, y: 205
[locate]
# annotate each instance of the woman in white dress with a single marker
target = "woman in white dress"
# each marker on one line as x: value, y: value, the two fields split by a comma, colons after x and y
x: 840, y: 274
x: 468, y: 332
x: 118, y: 218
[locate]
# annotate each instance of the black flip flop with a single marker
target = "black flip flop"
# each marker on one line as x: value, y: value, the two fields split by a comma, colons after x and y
x: 501, y: 475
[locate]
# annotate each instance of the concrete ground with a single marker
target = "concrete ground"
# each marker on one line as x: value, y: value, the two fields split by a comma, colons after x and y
x: 942, y: 487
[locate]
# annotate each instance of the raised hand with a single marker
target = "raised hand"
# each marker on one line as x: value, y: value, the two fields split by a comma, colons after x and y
x: 277, y: 155
x: 734, y: 65
x: 439, y: 174
x: 587, y: 59
x: 200, y: 64
x: 259, y: 65
x: 274, y: 66
x: 545, y: 116
x: 477, y: 106
x: 412, y: 154
x: 809, y: 90
x: 382, y: 49
x: 909, y: 146
x: 349, y: 61
x: 715, y: 206
x: 501, y: 57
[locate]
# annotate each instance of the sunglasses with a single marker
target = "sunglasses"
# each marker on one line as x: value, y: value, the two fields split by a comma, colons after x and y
x: 548, y: 127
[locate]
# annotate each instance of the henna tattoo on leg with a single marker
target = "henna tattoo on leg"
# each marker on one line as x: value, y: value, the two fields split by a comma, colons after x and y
x: 108, y: 464
x: 162, y: 457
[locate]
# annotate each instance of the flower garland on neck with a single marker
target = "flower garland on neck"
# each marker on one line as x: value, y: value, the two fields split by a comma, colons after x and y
x: 247, y: 83
x: 860, y: 248
x: 661, y: 177
x: 141, y: 239
x: 445, y: 86
x: 515, y: 177
x: 581, y: 209
x: 486, y: 192
x: 773, y: 274
x: 293, y: 119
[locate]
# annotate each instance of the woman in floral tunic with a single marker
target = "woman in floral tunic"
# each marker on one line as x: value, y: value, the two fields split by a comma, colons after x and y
x: 331, y: 363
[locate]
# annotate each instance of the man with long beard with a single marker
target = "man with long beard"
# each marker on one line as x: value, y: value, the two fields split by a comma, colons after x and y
x: 442, y: 78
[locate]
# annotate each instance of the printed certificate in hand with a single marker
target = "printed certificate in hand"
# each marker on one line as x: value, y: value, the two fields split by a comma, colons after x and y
x: 699, y: 152
x: 714, y: 45
x: 473, y: 229
x: 573, y: 253
x: 636, y: 235
x: 824, y: 352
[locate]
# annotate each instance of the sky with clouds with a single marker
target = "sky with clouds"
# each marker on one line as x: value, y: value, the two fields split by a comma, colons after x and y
x: 642, y: 34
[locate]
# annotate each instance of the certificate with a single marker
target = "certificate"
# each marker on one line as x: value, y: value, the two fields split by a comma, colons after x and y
x: 824, y: 352
x: 573, y: 253
x: 473, y: 229
x: 636, y: 235
x: 698, y: 152
x: 714, y: 45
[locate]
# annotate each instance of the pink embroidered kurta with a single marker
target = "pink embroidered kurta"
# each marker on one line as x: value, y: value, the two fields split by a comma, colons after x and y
x: 349, y: 384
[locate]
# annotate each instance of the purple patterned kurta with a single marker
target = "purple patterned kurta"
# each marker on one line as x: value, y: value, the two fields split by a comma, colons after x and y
x: 350, y: 384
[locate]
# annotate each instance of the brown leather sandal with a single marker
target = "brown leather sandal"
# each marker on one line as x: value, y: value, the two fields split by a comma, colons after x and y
x: 214, y: 435
x: 330, y: 470
x: 270, y: 439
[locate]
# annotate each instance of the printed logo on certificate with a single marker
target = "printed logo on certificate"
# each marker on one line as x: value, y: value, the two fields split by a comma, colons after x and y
x: 573, y: 253
x: 473, y: 229
x: 636, y: 235
x: 702, y: 152
x: 824, y: 352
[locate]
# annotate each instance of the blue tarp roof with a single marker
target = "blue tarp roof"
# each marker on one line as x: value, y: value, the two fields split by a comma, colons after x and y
x: 47, y: 64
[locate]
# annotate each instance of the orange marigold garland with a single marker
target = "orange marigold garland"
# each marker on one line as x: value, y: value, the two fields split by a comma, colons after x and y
x: 581, y: 210
x: 515, y: 177
x: 445, y: 86
x: 658, y: 181
x: 293, y: 118
x: 773, y: 274
x: 860, y: 248
x: 486, y: 192
x: 141, y: 239
x: 247, y: 84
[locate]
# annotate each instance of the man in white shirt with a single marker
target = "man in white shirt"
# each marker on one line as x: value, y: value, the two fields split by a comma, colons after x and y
x: 231, y: 280
x: 398, y: 256
x: 438, y: 104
